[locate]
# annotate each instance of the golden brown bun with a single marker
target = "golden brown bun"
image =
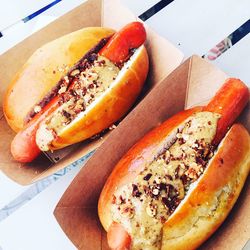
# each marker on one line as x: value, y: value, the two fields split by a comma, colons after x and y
x: 134, y: 161
x: 208, y: 204
x: 43, y: 70
x: 111, y: 107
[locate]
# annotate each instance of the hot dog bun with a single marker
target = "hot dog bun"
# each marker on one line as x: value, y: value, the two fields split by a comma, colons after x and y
x: 44, y: 69
x: 175, y: 187
x: 207, y: 203
x: 112, y: 105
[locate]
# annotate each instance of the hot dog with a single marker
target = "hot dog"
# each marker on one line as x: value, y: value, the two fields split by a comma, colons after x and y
x: 97, y: 91
x: 175, y: 187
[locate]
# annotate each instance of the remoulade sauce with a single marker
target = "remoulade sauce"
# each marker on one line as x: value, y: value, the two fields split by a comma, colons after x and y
x: 143, y: 205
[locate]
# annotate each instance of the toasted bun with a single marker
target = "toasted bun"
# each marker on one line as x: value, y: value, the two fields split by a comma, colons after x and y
x: 212, y: 198
x: 43, y: 70
x: 111, y: 106
x: 209, y: 200
x: 135, y: 160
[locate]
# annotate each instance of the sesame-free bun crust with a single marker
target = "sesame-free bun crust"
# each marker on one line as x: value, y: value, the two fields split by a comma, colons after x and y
x: 134, y: 161
x: 43, y: 70
x: 110, y: 107
x: 210, y: 201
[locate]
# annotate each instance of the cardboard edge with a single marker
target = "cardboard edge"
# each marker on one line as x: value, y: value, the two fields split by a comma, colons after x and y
x: 200, y: 67
x: 188, y: 79
x: 79, y: 213
x: 43, y: 175
x: 102, y: 11
x: 181, y: 58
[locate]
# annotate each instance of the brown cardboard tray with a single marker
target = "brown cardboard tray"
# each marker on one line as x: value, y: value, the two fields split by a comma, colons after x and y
x: 192, y: 83
x: 164, y: 58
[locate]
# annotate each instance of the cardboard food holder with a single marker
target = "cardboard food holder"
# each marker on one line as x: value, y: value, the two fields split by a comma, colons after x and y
x: 194, y: 82
x: 164, y: 58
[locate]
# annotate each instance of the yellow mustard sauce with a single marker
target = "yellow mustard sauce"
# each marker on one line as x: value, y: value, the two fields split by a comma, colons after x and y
x: 144, y: 205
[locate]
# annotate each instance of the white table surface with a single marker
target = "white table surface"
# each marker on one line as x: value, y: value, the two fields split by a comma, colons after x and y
x: 195, y: 26
x: 33, y: 226
x: 13, y: 11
